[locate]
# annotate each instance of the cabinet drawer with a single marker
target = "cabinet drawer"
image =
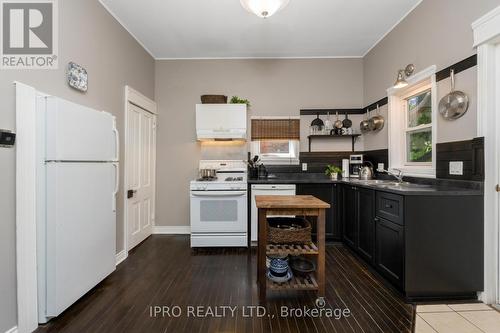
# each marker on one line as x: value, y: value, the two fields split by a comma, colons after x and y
x: 390, y: 207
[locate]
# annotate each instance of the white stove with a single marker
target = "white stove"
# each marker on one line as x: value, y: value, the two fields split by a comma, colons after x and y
x: 219, y: 206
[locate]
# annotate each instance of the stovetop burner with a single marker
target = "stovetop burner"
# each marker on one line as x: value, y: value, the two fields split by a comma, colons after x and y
x: 207, y: 179
x: 234, y: 179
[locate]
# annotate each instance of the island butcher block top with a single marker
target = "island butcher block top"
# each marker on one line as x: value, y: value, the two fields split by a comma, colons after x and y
x: 290, y: 202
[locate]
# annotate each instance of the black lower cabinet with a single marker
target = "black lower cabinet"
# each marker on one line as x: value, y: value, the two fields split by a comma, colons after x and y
x: 390, y: 250
x: 358, y: 212
x: 327, y: 193
x: 366, y: 223
x: 350, y: 215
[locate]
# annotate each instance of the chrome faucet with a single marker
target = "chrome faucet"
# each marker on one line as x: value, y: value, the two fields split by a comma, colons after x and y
x: 399, y: 176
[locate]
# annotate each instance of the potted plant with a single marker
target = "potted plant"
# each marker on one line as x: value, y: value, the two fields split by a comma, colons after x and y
x: 238, y: 100
x: 333, y: 171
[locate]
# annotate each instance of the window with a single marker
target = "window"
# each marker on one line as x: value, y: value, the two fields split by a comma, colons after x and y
x: 276, y: 139
x: 419, y: 128
x: 276, y: 151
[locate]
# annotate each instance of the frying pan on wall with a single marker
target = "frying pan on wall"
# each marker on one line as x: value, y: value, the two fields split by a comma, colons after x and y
x: 338, y: 122
x: 318, y: 122
x: 364, y: 126
x: 455, y: 104
x: 377, y: 122
x: 347, y: 123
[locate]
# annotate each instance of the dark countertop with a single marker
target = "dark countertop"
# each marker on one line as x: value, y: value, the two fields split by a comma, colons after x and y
x: 438, y: 188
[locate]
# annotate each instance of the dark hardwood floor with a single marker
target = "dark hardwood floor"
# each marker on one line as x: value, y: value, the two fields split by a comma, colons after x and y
x: 164, y: 271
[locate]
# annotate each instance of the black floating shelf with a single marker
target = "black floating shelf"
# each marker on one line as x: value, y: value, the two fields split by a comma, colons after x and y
x: 322, y: 112
x: 352, y: 136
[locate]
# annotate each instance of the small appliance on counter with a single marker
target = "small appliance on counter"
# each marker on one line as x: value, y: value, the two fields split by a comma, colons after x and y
x: 219, y: 205
x: 355, y: 165
x: 345, y: 168
x: 366, y: 172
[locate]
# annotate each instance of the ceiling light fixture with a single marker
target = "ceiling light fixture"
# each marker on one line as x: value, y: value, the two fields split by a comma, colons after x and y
x: 264, y: 8
x: 403, y: 74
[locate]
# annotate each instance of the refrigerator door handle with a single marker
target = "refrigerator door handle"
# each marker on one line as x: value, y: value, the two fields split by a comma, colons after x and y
x: 117, y: 142
x: 117, y: 184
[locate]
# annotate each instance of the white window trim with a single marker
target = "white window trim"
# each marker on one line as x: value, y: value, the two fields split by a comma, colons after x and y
x: 397, y: 126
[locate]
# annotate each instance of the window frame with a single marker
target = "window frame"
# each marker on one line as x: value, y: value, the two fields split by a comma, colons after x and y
x: 397, y: 124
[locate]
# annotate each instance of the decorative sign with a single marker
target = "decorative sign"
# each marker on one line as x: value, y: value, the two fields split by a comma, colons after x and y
x: 77, y: 77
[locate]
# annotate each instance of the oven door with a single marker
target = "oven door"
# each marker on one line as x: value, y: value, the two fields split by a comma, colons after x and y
x: 218, y: 211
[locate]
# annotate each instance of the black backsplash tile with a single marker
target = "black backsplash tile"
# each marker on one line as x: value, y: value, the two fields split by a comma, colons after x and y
x: 470, y: 152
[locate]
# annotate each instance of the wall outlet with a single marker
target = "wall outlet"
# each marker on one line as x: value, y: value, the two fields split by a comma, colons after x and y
x: 381, y: 167
x: 304, y: 166
x: 457, y: 168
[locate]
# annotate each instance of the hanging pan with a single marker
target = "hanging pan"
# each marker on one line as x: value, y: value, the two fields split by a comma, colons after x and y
x: 376, y: 123
x: 347, y: 123
x: 364, y: 126
x: 338, y: 122
x: 455, y: 104
x: 318, y: 122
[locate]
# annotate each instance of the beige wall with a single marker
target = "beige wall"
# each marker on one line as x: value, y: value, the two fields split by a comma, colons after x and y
x: 275, y: 88
x: 89, y: 36
x: 437, y: 32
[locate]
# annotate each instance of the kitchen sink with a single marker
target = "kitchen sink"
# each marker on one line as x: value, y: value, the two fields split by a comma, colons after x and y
x: 404, y: 185
x: 372, y: 181
x: 392, y: 184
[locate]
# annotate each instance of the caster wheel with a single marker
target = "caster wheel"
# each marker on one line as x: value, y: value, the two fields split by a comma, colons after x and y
x: 320, y: 302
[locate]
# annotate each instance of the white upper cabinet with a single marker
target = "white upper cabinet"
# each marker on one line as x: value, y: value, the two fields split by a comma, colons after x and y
x: 221, y: 122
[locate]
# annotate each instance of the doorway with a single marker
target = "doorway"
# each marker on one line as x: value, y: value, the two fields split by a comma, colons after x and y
x: 140, y: 161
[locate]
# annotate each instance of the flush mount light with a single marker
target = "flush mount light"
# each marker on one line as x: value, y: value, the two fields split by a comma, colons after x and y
x: 402, y: 75
x: 264, y: 8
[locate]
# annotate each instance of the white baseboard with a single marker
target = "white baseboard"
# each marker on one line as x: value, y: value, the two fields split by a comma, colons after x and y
x: 12, y: 330
x: 172, y: 230
x: 121, y: 256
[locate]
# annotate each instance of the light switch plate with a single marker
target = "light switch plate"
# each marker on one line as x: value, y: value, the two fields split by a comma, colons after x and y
x: 457, y: 168
x: 304, y: 166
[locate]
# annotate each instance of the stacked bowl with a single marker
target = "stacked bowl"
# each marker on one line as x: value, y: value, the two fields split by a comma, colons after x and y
x: 279, y: 270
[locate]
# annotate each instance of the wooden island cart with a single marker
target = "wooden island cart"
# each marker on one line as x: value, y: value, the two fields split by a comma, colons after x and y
x: 295, y: 205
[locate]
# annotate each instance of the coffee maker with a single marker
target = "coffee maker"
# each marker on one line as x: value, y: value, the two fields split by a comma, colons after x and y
x: 355, y: 165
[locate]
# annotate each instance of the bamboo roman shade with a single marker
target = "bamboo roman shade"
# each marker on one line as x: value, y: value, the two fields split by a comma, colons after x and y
x: 275, y: 129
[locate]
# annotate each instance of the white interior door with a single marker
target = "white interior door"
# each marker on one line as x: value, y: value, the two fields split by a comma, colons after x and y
x: 140, y: 173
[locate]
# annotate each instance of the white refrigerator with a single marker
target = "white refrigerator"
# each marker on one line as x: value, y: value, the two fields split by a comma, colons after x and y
x: 77, y: 183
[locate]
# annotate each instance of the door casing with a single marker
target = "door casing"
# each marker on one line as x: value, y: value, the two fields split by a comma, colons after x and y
x: 487, y: 42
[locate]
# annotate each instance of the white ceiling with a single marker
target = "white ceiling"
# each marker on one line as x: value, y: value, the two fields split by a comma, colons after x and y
x: 173, y: 29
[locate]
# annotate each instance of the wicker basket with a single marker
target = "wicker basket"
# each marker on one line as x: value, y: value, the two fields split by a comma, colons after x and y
x: 213, y: 99
x: 286, y: 236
